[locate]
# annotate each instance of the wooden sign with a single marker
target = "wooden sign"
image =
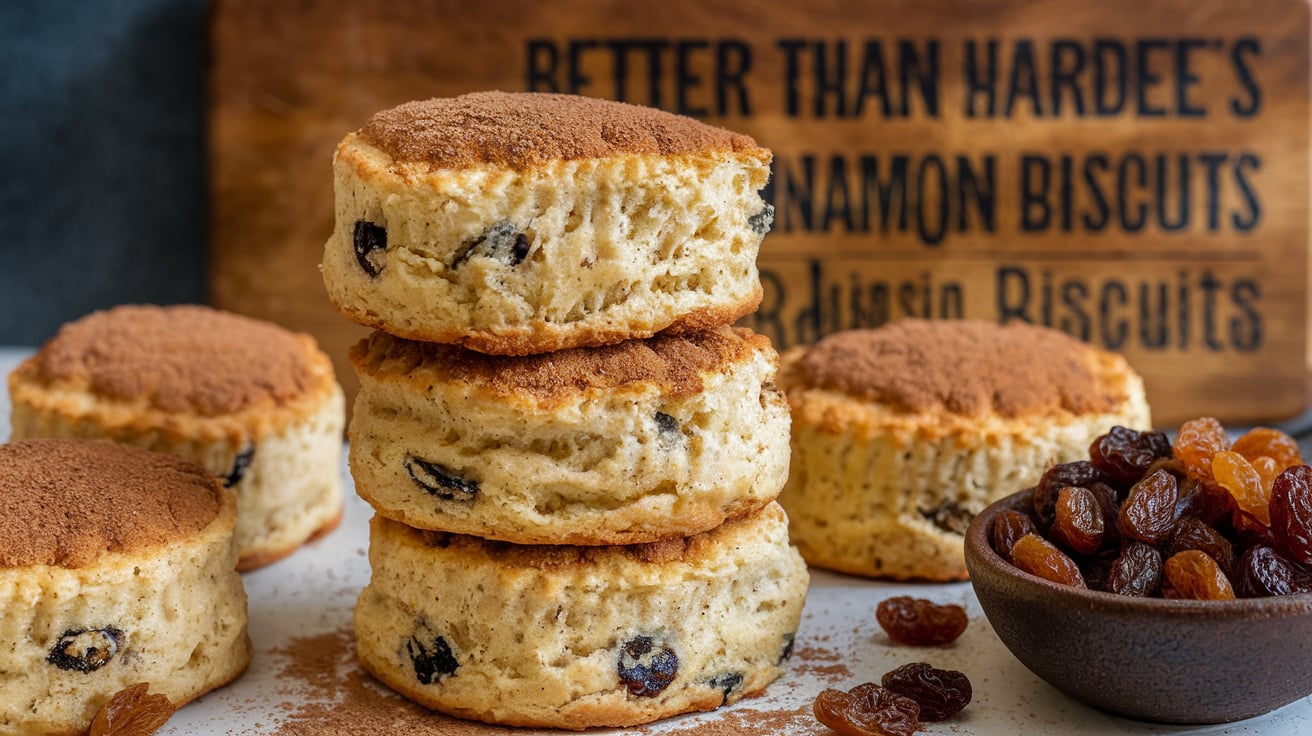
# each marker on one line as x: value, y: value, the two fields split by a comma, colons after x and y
x: 1135, y: 174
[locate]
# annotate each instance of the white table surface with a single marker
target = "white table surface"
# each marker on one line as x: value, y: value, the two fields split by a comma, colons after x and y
x: 313, y: 591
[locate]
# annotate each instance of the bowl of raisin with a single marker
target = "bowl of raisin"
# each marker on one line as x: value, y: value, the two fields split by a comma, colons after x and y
x: 1162, y: 580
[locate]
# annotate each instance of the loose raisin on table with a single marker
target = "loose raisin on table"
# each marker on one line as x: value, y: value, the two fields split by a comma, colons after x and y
x: 370, y: 242
x: 1137, y: 572
x: 920, y: 622
x: 1080, y: 473
x: 940, y: 694
x: 1234, y: 473
x: 867, y: 710
x: 645, y: 667
x: 85, y: 650
x: 1078, y: 522
x: 1148, y: 513
x: 1291, y: 513
x: 1039, y: 557
x: 132, y: 711
x: 1267, y: 442
x: 1008, y: 526
x: 431, y: 657
x: 1125, y: 454
x: 1195, y: 575
x: 439, y: 480
x: 1262, y: 571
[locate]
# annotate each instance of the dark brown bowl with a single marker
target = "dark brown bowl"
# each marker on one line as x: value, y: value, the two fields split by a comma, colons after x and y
x: 1172, y: 661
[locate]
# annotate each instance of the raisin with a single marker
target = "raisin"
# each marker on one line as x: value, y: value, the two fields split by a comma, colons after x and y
x: 786, y: 652
x: 499, y: 242
x: 1037, y: 556
x: 919, y: 622
x: 645, y: 667
x: 1008, y: 526
x: 1110, y: 502
x: 867, y: 710
x: 85, y: 650
x: 1266, y: 442
x: 1211, y: 504
x: 1195, y: 444
x: 1078, y: 524
x: 1195, y: 575
x: 1137, y: 572
x: 439, y: 480
x: 1291, y: 513
x: 726, y: 683
x: 240, y: 464
x: 761, y: 221
x: 668, y: 429
x: 1097, y: 567
x: 1262, y: 571
x: 132, y: 712
x: 940, y: 694
x: 1080, y: 473
x: 1148, y: 513
x: 370, y: 242
x: 948, y: 516
x: 431, y: 662
x: 1234, y: 473
x: 1192, y: 533
x: 1125, y: 454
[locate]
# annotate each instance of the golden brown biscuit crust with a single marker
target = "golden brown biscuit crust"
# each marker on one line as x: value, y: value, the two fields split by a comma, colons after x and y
x: 969, y: 368
x: 519, y: 130
x: 675, y: 362
x: 67, y: 502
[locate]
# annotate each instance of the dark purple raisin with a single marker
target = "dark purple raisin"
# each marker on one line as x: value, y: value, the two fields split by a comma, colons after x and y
x: 431, y: 662
x: 240, y: 465
x: 645, y: 667
x: 1291, y: 512
x: 1125, y: 454
x: 786, y: 652
x: 1192, y: 533
x: 1262, y: 571
x: 370, y: 241
x: 668, y: 429
x: 950, y: 517
x: 499, y: 242
x: 727, y: 683
x: 1008, y: 526
x: 439, y: 480
x: 940, y: 694
x: 1109, y: 500
x: 1137, y: 572
x: 1080, y: 473
x: 85, y: 650
x: 761, y: 221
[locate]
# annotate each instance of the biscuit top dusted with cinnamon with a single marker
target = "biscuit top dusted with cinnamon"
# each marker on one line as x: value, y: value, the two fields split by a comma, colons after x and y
x: 180, y: 359
x: 519, y: 130
x: 675, y: 363
x: 969, y: 368
x: 67, y: 502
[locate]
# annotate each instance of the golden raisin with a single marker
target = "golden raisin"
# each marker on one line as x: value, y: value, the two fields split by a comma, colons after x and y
x: 1234, y: 473
x: 132, y: 712
x: 1267, y: 442
x: 867, y: 710
x: 1037, y: 556
x: 1194, y: 574
x: 1195, y: 444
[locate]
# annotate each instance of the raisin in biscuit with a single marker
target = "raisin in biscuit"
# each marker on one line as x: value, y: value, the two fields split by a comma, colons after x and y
x: 256, y: 405
x: 117, y: 566
x: 902, y: 434
x: 574, y: 637
x: 620, y: 444
x: 525, y: 223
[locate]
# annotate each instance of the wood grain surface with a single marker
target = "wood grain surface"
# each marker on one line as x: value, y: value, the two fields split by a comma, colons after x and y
x: 1133, y: 173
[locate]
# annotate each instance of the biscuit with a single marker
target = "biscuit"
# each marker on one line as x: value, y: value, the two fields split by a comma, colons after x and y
x: 575, y: 637
x: 903, y: 433
x: 526, y: 223
x: 117, y: 566
x: 620, y: 444
x: 256, y: 405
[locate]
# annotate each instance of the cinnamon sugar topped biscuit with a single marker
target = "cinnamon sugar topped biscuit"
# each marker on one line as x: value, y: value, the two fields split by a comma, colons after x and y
x: 67, y: 502
x: 968, y: 367
x: 179, y: 358
x: 523, y: 129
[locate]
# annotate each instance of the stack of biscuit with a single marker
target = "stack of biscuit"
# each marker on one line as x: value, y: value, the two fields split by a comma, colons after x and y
x: 573, y: 457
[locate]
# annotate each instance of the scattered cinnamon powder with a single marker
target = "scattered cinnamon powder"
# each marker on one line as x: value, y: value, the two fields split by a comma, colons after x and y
x: 519, y: 130
x: 179, y: 358
x: 968, y: 367
x: 674, y: 362
x: 67, y: 502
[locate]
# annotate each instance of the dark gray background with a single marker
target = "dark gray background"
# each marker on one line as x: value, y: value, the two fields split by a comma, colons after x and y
x: 102, y: 144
